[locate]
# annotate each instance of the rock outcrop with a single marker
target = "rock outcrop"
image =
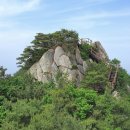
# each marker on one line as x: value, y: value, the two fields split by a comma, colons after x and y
x: 67, y: 62
x: 55, y: 60
x: 101, y: 51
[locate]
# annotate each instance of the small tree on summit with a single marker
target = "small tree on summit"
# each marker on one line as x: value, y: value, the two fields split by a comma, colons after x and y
x: 43, y: 42
x: 115, y: 61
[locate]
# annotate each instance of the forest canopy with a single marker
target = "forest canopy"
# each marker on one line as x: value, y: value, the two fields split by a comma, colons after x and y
x: 27, y: 104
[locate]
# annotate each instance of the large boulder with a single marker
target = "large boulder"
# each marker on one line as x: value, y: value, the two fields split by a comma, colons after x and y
x: 46, y: 61
x: 54, y: 68
x: 42, y: 69
x: 33, y: 70
x: 101, y: 51
x: 63, y: 69
x: 58, y: 60
x: 72, y: 58
x: 39, y: 72
x: 80, y: 68
x: 58, y: 53
x: 65, y: 62
x: 72, y: 75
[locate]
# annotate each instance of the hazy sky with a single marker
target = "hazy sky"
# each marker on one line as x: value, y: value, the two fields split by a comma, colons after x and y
x: 107, y: 21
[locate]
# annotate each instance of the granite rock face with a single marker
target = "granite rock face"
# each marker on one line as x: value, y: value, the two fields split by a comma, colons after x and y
x: 67, y: 62
x: 101, y: 51
x: 55, y: 60
x: 58, y: 53
x: 46, y: 61
x: 79, y: 60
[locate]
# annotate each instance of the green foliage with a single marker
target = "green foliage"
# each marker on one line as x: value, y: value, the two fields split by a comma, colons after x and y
x: 111, y: 113
x: 74, y: 67
x: 77, y: 101
x: 85, y: 102
x: 123, y: 81
x: 2, y: 114
x: 85, y: 51
x: 115, y: 61
x: 43, y: 42
x: 96, y: 77
x: 26, y: 104
x: 21, y: 113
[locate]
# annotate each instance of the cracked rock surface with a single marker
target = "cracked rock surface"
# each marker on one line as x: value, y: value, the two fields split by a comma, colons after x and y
x: 55, y: 60
x: 66, y: 61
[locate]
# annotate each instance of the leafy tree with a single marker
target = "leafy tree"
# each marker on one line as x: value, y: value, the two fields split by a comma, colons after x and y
x: 43, y: 42
x: 123, y: 81
x: 115, y: 61
x: 96, y: 77
x: 26, y: 104
x: 46, y: 107
x: 84, y: 51
x: 2, y: 72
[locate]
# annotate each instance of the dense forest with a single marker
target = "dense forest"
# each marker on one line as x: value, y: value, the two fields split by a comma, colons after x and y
x: 26, y: 104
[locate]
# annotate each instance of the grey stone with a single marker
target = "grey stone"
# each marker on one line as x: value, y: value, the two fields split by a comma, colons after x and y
x: 102, y: 51
x: 58, y: 53
x: 46, y: 78
x: 78, y: 57
x: 80, y: 76
x: 80, y: 68
x: 33, y: 70
x: 54, y: 68
x: 72, y: 58
x: 46, y: 61
x: 63, y: 69
x: 65, y: 61
x: 57, y: 60
x: 39, y: 72
x: 72, y: 75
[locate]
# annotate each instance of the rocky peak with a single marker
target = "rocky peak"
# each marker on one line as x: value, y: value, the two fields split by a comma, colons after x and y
x: 57, y: 59
x: 101, y: 50
x: 62, y: 60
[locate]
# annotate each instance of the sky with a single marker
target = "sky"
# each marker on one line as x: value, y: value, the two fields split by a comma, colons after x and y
x: 107, y: 21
